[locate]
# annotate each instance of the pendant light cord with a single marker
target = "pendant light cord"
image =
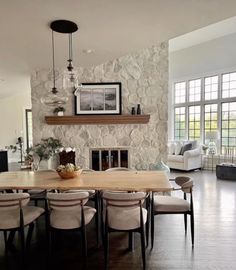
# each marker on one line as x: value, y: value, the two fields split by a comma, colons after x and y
x: 70, y: 46
x: 54, y: 89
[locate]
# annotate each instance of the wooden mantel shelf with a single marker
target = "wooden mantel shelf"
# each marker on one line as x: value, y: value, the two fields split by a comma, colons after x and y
x: 97, y: 119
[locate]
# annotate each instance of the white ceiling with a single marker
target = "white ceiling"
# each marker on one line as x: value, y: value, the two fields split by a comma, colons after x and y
x: 213, y: 31
x: 109, y: 27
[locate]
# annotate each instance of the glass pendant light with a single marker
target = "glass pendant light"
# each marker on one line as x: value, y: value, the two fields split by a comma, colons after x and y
x: 54, y: 98
x: 71, y: 77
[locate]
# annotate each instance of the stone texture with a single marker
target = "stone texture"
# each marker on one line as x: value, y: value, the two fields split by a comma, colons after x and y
x: 144, y: 78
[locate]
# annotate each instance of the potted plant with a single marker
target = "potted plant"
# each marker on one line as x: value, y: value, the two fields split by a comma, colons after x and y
x: 44, y: 150
x: 59, y: 111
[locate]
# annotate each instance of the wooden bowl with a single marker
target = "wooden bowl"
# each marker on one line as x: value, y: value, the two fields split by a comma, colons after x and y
x: 69, y: 175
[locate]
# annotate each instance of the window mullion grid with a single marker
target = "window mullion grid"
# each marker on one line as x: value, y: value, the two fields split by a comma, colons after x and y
x: 202, y: 110
x: 219, y: 101
x: 219, y: 113
x: 186, y: 111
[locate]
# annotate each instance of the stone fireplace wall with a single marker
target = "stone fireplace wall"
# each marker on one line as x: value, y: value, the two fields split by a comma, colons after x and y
x: 144, y: 78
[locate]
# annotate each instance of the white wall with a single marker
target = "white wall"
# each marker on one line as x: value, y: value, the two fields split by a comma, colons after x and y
x: 12, y: 120
x: 209, y: 58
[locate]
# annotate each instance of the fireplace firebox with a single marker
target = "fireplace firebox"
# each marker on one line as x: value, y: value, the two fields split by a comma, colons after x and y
x: 102, y: 159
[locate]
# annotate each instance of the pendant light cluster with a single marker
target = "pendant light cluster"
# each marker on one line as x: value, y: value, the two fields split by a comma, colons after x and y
x: 55, y: 98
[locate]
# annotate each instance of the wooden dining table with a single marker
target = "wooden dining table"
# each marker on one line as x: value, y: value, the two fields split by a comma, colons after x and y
x: 96, y: 180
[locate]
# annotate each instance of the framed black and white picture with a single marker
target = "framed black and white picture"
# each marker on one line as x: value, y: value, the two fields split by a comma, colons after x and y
x: 98, y: 98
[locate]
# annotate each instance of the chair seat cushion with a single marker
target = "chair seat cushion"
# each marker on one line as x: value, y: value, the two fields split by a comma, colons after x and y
x: 176, y: 158
x: 70, y: 219
x: 170, y: 204
x: 121, y: 218
x: 10, y: 219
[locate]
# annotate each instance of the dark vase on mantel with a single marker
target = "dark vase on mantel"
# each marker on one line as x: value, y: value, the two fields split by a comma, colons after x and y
x: 133, y: 111
x: 138, y: 109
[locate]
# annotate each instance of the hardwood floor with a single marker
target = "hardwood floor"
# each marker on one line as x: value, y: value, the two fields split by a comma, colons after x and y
x: 215, y: 238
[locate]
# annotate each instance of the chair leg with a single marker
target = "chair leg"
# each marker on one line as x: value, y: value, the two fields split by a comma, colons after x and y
x: 152, y: 230
x: 29, y: 235
x: 185, y: 223
x: 49, y: 234
x: 131, y: 241
x: 143, y: 248
x: 97, y: 217
x: 147, y: 228
x: 5, y: 241
x: 106, y: 248
x: 22, y: 240
x: 192, y: 228
x: 84, y: 245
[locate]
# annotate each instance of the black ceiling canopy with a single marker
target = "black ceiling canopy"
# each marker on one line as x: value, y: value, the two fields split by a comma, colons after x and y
x: 64, y: 26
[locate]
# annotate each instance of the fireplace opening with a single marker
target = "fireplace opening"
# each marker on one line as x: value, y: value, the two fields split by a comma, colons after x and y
x: 102, y: 159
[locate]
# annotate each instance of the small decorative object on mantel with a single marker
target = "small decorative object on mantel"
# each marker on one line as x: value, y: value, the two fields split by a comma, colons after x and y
x: 133, y: 111
x: 98, y: 98
x: 59, y: 111
x: 138, y: 109
x: 68, y: 171
x: 67, y: 155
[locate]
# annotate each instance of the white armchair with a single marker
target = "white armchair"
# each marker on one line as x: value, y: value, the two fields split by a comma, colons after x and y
x: 190, y: 160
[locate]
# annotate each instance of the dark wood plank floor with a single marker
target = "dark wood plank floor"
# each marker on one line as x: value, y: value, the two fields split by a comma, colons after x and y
x: 215, y: 238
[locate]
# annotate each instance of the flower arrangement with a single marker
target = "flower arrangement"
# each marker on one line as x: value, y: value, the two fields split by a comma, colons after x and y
x: 44, y: 150
x: 68, y: 171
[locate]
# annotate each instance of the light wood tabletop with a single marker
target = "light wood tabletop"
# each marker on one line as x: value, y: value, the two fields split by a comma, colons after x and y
x: 116, y: 180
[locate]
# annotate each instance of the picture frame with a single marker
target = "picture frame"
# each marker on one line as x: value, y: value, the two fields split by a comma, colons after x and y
x: 98, y: 99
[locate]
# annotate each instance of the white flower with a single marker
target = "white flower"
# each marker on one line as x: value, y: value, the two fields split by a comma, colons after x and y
x: 68, y: 149
x: 61, y: 149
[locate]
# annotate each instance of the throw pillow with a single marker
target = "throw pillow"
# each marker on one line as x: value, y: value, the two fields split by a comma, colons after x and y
x: 194, y: 144
x: 178, y: 147
x: 185, y: 148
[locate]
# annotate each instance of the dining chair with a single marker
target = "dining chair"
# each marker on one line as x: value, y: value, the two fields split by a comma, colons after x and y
x: 161, y: 205
x: 16, y: 215
x: 124, y: 212
x: 67, y: 211
x: 37, y: 195
x: 94, y: 197
x: 147, y: 207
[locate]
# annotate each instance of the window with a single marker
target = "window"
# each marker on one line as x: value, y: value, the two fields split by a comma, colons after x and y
x: 29, y: 128
x: 210, y: 119
x: 211, y: 87
x: 180, y: 123
x: 195, y: 90
x: 205, y: 108
x: 229, y: 85
x: 194, y: 122
x: 228, y: 126
x: 180, y: 92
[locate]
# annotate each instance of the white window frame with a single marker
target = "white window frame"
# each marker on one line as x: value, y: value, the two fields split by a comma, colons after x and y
x: 202, y: 102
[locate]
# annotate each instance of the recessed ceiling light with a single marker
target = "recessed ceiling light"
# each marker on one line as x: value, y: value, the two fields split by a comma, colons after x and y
x: 88, y: 51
